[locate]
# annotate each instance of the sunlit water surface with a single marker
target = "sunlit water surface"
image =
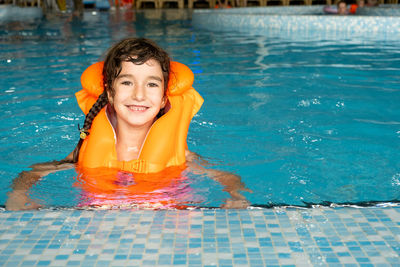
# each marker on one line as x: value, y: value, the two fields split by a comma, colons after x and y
x: 300, y: 120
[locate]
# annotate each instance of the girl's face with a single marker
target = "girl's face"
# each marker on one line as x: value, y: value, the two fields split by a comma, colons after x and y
x: 139, y: 94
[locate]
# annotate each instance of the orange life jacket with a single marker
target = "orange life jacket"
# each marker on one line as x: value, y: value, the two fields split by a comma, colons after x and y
x: 165, y: 144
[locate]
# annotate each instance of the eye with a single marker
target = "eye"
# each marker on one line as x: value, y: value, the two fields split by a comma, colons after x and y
x: 151, y: 84
x: 127, y: 83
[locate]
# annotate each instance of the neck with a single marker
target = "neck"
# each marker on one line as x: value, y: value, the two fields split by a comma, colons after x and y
x: 130, y: 141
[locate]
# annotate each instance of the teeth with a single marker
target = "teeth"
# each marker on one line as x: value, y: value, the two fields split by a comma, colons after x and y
x: 134, y: 108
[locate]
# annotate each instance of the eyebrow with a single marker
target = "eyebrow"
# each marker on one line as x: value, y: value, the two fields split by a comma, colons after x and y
x: 152, y: 77
x: 155, y: 78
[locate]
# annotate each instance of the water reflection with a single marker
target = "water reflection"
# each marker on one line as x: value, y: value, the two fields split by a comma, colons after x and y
x: 110, y: 188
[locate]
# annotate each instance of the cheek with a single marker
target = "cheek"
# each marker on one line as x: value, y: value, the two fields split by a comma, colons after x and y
x: 121, y: 94
x: 158, y: 100
x: 156, y: 96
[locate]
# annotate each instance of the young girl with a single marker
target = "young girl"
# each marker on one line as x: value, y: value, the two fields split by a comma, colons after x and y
x: 138, y: 107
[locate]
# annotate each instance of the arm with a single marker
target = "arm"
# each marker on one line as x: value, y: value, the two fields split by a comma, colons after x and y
x: 18, y: 198
x: 232, y: 183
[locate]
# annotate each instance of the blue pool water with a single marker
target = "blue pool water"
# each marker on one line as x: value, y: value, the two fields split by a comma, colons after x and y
x: 301, y: 120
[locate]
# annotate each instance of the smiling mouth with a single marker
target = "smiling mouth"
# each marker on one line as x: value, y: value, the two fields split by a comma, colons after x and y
x: 137, y: 108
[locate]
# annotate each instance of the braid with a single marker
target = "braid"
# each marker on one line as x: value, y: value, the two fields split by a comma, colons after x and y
x: 94, y: 110
x: 84, y: 131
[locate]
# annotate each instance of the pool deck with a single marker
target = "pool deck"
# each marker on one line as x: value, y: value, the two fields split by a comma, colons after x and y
x: 290, y: 236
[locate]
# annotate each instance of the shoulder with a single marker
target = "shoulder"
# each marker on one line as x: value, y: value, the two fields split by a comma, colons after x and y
x: 190, y: 156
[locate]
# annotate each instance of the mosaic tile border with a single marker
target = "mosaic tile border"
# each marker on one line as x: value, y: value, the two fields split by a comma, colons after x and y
x: 268, y: 20
x: 382, y: 10
x: 320, y: 236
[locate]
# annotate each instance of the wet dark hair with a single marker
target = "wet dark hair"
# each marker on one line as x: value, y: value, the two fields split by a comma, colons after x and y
x: 135, y: 50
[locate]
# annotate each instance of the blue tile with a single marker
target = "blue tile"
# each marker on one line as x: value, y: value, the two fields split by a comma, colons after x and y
x: 179, y: 262
x: 343, y: 254
x: 135, y: 256
x: 321, y: 241
x: 179, y: 256
x: 332, y: 260
x: 120, y: 257
x: 62, y: 257
x: 274, y: 234
x: 284, y: 255
x: 43, y: 263
x: 362, y: 260
x: 126, y: 240
x: 195, y: 245
x: 239, y: 255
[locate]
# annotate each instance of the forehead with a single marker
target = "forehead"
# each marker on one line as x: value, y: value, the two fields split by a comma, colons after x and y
x: 151, y: 65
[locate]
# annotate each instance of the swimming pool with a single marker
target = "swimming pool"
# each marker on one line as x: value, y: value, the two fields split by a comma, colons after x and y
x: 280, y: 236
x: 302, y: 120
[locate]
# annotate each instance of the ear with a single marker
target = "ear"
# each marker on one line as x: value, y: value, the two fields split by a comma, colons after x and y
x: 110, y: 98
x: 164, y: 101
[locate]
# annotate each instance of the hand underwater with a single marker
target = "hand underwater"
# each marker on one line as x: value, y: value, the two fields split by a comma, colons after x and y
x: 232, y: 183
x: 18, y: 200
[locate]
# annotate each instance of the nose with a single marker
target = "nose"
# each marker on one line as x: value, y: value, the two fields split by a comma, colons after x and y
x: 139, y: 93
